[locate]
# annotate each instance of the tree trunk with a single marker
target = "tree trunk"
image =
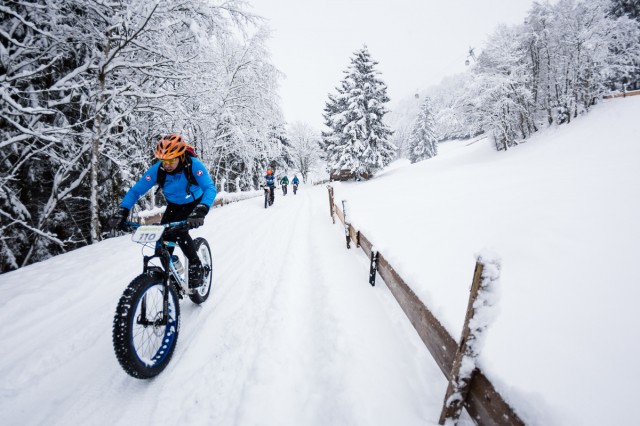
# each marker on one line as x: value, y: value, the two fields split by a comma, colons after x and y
x: 95, y: 151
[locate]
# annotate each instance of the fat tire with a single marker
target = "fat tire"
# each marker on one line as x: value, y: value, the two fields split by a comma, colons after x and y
x: 204, y: 253
x: 124, y: 333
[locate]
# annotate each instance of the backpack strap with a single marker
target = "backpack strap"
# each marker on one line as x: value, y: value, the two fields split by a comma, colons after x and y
x: 161, y: 178
x: 189, y: 173
x: 188, y: 170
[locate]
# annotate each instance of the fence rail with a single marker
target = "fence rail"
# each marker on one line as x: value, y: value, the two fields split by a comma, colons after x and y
x: 483, y: 403
x: 623, y: 94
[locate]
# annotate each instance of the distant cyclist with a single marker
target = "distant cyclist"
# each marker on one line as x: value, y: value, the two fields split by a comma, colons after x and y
x: 284, y: 182
x: 270, y: 183
x: 295, y: 181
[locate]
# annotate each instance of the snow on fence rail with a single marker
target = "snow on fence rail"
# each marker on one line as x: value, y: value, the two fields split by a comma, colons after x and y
x: 468, y: 386
x: 623, y: 94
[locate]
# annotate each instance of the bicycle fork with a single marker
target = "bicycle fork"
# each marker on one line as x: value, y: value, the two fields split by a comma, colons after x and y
x: 164, y: 320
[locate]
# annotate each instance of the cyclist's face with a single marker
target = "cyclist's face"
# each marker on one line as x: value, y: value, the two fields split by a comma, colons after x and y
x: 170, y: 165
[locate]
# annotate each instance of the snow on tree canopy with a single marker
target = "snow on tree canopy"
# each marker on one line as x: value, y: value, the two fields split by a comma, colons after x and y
x: 357, y: 143
x: 423, y: 142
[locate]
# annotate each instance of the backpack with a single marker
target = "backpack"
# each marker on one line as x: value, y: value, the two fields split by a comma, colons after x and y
x: 191, y: 180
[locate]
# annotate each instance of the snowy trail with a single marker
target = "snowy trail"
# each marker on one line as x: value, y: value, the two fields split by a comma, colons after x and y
x: 285, y: 337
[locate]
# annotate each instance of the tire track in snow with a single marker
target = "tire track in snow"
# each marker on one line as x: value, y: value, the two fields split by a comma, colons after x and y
x: 296, y: 367
x: 220, y: 346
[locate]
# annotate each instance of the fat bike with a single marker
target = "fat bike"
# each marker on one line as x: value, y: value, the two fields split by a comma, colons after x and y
x: 147, y: 320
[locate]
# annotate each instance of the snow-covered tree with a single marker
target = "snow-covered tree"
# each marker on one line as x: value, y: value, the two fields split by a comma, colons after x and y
x: 558, y: 64
x: 552, y: 68
x: 42, y: 150
x: 575, y: 49
x: 247, y: 130
x: 451, y: 101
x: 504, y: 102
x: 87, y: 89
x: 332, y: 138
x: 629, y: 80
x: 423, y: 142
x: 357, y: 142
x: 305, y: 147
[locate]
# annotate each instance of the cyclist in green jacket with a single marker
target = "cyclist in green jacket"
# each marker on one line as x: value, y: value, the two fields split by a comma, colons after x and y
x: 284, y: 182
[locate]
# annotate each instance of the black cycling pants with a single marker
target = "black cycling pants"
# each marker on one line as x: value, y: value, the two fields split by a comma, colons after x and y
x: 272, y: 193
x: 175, y: 213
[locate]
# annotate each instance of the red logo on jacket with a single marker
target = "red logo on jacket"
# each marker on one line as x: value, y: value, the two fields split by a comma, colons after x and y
x: 199, y: 172
x: 147, y: 178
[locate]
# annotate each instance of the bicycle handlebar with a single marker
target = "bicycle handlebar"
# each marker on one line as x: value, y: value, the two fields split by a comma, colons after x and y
x: 171, y: 225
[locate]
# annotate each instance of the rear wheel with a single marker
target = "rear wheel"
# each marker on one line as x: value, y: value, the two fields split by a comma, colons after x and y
x: 201, y: 293
x: 142, y: 341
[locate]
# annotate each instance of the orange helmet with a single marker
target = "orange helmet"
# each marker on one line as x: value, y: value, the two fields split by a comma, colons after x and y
x: 269, y: 172
x: 170, y: 146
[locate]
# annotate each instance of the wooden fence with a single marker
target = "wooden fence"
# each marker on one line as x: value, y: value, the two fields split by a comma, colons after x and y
x: 623, y: 94
x: 483, y: 403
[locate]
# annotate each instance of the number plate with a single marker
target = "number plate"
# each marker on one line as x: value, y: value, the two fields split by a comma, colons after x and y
x: 148, y: 234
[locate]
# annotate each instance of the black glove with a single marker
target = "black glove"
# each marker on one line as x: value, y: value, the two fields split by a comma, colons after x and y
x: 117, y: 220
x: 196, y: 218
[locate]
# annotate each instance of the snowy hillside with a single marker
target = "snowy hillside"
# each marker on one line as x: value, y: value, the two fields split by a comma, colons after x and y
x: 562, y: 211
x: 293, y: 334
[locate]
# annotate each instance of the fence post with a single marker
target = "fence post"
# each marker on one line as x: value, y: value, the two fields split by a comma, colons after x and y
x: 481, y: 299
x: 346, y: 223
x: 373, y: 268
x: 333, y: 218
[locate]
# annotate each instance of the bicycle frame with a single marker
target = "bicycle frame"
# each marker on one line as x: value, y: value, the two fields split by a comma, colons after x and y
x: 167, y: 269
x: 269, y: 194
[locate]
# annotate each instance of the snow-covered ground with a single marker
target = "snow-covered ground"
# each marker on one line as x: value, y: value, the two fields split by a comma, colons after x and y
x: 293, y: 334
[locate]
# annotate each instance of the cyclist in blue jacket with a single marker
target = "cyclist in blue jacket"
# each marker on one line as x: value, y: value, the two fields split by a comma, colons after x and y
x: 187, y: 198
x: 295, y: 181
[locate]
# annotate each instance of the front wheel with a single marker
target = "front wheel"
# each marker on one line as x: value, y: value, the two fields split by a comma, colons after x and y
x: 143, y: 339
x: 204, y: 253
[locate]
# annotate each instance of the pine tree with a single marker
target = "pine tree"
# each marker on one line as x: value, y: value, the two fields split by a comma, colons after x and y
x: 357, y: 143
x: 423, y: 142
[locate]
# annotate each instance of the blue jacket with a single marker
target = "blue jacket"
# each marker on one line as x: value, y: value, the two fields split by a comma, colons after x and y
x: 175, y: 186
x: 295, y: 180
x: 270, y: 180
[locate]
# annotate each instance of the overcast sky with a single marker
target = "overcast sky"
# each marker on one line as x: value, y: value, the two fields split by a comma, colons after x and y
x: 416, y: 42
